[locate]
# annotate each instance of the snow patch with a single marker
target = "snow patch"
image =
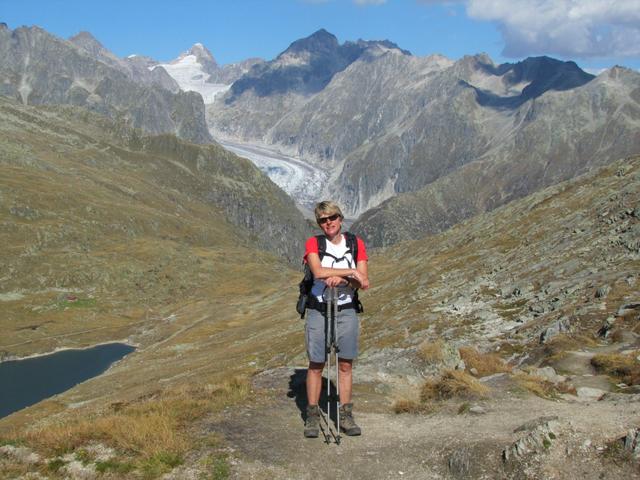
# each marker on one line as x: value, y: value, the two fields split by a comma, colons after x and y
x: 191, y: 77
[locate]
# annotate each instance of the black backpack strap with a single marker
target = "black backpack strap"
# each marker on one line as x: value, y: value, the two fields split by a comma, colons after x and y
x: 352, y: 245
x: 322, y: 245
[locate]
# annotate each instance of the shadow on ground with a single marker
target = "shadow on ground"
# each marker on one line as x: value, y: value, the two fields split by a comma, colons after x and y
x: 298, y: 392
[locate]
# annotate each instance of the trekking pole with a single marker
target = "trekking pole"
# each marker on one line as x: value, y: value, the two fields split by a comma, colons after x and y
x: 332, y: 349
x: 328, y: 347
x: 336, y: 349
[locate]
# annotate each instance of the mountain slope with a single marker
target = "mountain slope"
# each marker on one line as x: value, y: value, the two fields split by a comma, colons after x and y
x: 547, y: 140
x: 390, y: 123
x: 37, y: 68
x: 567, y: 254
x: 79, y: 188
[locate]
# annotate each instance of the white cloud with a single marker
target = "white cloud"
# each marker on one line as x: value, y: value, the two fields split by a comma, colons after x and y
x: 573, y: 28
x: 583, y: 28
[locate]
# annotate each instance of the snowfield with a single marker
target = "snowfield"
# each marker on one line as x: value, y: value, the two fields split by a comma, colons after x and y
x: 189, y: 74
x: 302, y: 181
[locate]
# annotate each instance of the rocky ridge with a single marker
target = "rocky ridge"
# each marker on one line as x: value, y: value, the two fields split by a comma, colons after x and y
x: 389, y: 124
x: 38, y: 68
x: 136, y: 67
x: 271, y: 90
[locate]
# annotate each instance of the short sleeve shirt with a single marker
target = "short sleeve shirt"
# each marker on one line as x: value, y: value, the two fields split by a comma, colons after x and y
x: 337, y: 257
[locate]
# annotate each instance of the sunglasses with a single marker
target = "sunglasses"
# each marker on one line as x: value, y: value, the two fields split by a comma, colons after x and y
x: 333, y: 218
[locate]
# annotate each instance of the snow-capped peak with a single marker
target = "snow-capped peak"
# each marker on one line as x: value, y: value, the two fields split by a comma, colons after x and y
x: 192, y: 70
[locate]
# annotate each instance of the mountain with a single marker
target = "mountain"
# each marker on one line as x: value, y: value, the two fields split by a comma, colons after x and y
x: 549, y: 139
x: 196, y: 70
x: 38, y: 68
x: 389, y: 123
x: 306, y: 67
x: 275, y: 89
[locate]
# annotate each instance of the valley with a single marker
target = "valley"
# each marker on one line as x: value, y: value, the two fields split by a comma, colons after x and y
x: 302, y: 181
x: 501, y: 208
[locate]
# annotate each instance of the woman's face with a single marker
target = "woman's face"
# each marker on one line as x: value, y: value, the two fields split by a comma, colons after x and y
x: 330, y: 224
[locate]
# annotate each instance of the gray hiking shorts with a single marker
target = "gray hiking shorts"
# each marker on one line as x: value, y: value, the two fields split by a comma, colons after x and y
x: 348, y: 332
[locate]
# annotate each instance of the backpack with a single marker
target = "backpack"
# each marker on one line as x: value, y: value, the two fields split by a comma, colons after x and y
x: 306, y: 284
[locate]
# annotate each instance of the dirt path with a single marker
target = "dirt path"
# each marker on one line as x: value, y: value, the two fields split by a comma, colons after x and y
x: 266, y: 439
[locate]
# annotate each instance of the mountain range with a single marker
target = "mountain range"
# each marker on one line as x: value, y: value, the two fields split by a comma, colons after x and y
x: 38, y: 68
x: 507, y: 343
x: 407, y: 145
x: 457, y: 137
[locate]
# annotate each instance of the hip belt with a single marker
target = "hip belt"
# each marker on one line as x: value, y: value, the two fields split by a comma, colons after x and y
x: 322, y: 306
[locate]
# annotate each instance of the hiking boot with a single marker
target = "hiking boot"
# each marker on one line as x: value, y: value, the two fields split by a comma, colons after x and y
x: 347, y: 424
x: 312, y: 423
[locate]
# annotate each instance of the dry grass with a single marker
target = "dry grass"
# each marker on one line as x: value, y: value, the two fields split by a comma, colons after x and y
x: 484, y: 363
x: 431, y: 352
x: 565, y: 342
x: 453, y: 384
x: 540, y: 386
x: 535, y: 384
x: 557, y: 347
x: 405, y: 405
x: 623, y: 367
x: 147, y: 428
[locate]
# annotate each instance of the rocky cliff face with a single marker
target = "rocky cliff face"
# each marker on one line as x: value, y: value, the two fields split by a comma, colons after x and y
x: 389, y: 123
x: 135, y: 67
x: 271, y: 91
x: 547, y: 140
x: 37, y: 68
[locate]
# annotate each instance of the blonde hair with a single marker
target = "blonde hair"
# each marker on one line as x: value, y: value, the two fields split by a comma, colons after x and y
x: 327, y: 207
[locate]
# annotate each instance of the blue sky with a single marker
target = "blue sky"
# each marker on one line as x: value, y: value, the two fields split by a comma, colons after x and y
x: 595, y: 33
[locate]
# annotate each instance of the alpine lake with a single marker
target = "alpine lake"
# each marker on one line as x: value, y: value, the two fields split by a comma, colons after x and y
x: 27, y: 381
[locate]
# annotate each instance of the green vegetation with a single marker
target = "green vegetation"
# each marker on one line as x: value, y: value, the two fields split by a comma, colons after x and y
x: 83, y: 456
x: 55, y: 464
x: 159, y: 464
x: 114, y: 466
x: 216, y: 467
x: 72, y: 302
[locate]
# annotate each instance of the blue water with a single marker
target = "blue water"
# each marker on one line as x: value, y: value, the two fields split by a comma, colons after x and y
x: 25, y: 382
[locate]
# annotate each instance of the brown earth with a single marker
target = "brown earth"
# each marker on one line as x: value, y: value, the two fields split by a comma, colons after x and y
x: 265, y: 439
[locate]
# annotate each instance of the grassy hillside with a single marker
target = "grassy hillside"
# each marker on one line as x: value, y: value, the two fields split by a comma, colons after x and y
x: 505, y: 276
x: 107, y: 238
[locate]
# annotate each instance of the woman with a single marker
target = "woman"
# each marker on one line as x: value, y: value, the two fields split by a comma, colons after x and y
x: 337, y: 268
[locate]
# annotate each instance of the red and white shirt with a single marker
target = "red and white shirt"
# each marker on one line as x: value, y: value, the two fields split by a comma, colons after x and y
x: 338, y: 257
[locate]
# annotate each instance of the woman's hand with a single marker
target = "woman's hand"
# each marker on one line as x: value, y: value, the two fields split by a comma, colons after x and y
x: 360, y: 279
x: 335, y: 281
